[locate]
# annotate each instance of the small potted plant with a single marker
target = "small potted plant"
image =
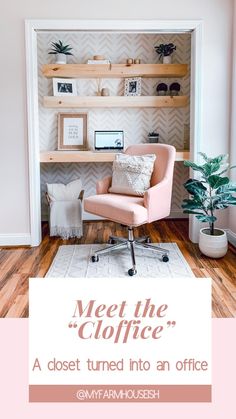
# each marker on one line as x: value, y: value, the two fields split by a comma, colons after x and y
x: 211, y: 192
x: 61, y: 51
x: 165, y: 51
x: 153, y: 137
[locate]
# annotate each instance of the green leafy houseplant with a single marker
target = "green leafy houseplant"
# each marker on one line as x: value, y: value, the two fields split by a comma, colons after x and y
x: 59, y: 48
x: 153, y: 137
x: 213, y: 191
x: 164, y: 50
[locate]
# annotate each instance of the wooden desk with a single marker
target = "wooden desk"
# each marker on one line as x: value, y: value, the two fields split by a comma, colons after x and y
x: 90, y: 156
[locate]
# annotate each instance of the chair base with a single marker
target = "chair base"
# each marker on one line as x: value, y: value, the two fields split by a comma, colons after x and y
x: 131, y: 244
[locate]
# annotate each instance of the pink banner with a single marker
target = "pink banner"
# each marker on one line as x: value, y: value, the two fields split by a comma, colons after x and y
x: 119, y: 393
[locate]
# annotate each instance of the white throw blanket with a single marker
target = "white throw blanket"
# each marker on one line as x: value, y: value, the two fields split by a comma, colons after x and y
x: 66, y: 218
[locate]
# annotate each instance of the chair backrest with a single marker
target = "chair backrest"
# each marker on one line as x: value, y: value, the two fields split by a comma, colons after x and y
x: 164, y: 163
x: 158, y: 202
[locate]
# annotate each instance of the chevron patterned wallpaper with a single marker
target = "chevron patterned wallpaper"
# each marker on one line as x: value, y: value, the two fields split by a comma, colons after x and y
x: 172, y: 124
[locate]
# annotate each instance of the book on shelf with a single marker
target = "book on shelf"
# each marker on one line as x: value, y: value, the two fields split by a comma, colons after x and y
x: 98, y: 62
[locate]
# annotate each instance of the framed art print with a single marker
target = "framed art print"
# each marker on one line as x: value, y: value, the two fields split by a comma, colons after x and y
x: 133, y: 86
x: 72, y: 131
x: 64, y: 87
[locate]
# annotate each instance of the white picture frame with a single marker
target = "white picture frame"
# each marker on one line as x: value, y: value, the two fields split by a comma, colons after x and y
x: 133, y: 86
x: 64, y: 87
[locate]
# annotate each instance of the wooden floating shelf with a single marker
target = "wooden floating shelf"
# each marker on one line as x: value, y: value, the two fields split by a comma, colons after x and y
x: 90, y: 156
x: 115, y: 101
x: 114, y: 70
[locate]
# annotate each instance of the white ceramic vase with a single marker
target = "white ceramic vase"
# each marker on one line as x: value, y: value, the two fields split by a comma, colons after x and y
x: 213, y: 246
x: 60, y: 59
x: 167, y: 59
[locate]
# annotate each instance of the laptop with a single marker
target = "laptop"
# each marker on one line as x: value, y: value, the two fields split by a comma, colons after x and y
x: 109, y: 141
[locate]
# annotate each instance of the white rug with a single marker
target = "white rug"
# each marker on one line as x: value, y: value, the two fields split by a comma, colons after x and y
x: 74, y: 261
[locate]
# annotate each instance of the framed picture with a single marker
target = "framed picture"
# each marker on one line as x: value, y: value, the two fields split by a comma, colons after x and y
x: 133, y: 86
x: 72, y: 131
x: 64, y: 87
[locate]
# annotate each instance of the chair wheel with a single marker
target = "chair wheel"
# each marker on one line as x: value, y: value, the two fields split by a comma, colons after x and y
x: 111, y: 241
x: 165, y: 258
x: 148, y: 240
x: 132, y: 272
x: 94, y: 258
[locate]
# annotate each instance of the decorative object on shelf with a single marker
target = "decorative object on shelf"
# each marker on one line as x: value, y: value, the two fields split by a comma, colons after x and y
x: 105, y: 91
x: 174, y: 89
x: 98, y: 62
x: 133, y: 86
x: 98, y: 57
x: 129, y: 61
x: 72, y: 131
x: 167, y: 59
x: 153, y: 137
x: 64, y: 87
x: 165, y: 51
x: 99, y: 89
x: 213, y: 191
x: 61, y: 51
x: 162, y: 89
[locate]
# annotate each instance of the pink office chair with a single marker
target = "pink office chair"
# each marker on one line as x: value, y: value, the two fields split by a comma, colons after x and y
x: 134, y: 211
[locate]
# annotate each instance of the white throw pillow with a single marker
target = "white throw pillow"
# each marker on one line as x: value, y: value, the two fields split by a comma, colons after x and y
x: 132, y: 174
x: 61, y: 192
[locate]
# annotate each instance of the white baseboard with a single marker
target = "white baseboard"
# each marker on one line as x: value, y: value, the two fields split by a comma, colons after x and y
x: 231, y: 236
x: 15, y: 239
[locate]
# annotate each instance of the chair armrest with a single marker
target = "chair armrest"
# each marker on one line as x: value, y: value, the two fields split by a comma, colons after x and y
x: 157, y: 200
x: 103, y: 185
x: 81, y: 195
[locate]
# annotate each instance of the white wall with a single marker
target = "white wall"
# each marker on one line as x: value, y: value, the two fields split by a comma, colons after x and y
x: 217, y: 17
x: 232, y: 212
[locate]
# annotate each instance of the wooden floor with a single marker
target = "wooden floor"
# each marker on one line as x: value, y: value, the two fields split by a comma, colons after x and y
x: 18, y: 264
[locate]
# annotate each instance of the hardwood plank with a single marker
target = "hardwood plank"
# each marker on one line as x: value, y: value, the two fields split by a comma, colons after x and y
x: 19, y: 306
x: 228, y: 281
x: 10, y: 260
x: 220, y: 294
x: 90, y: 156
x: 7, y: 291
x: 58, y: 102
x: 114, y: 70
x: 77, y: 157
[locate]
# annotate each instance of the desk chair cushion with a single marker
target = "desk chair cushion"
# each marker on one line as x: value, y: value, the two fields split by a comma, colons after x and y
x: 123, y: 209
x: 131, y: 175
